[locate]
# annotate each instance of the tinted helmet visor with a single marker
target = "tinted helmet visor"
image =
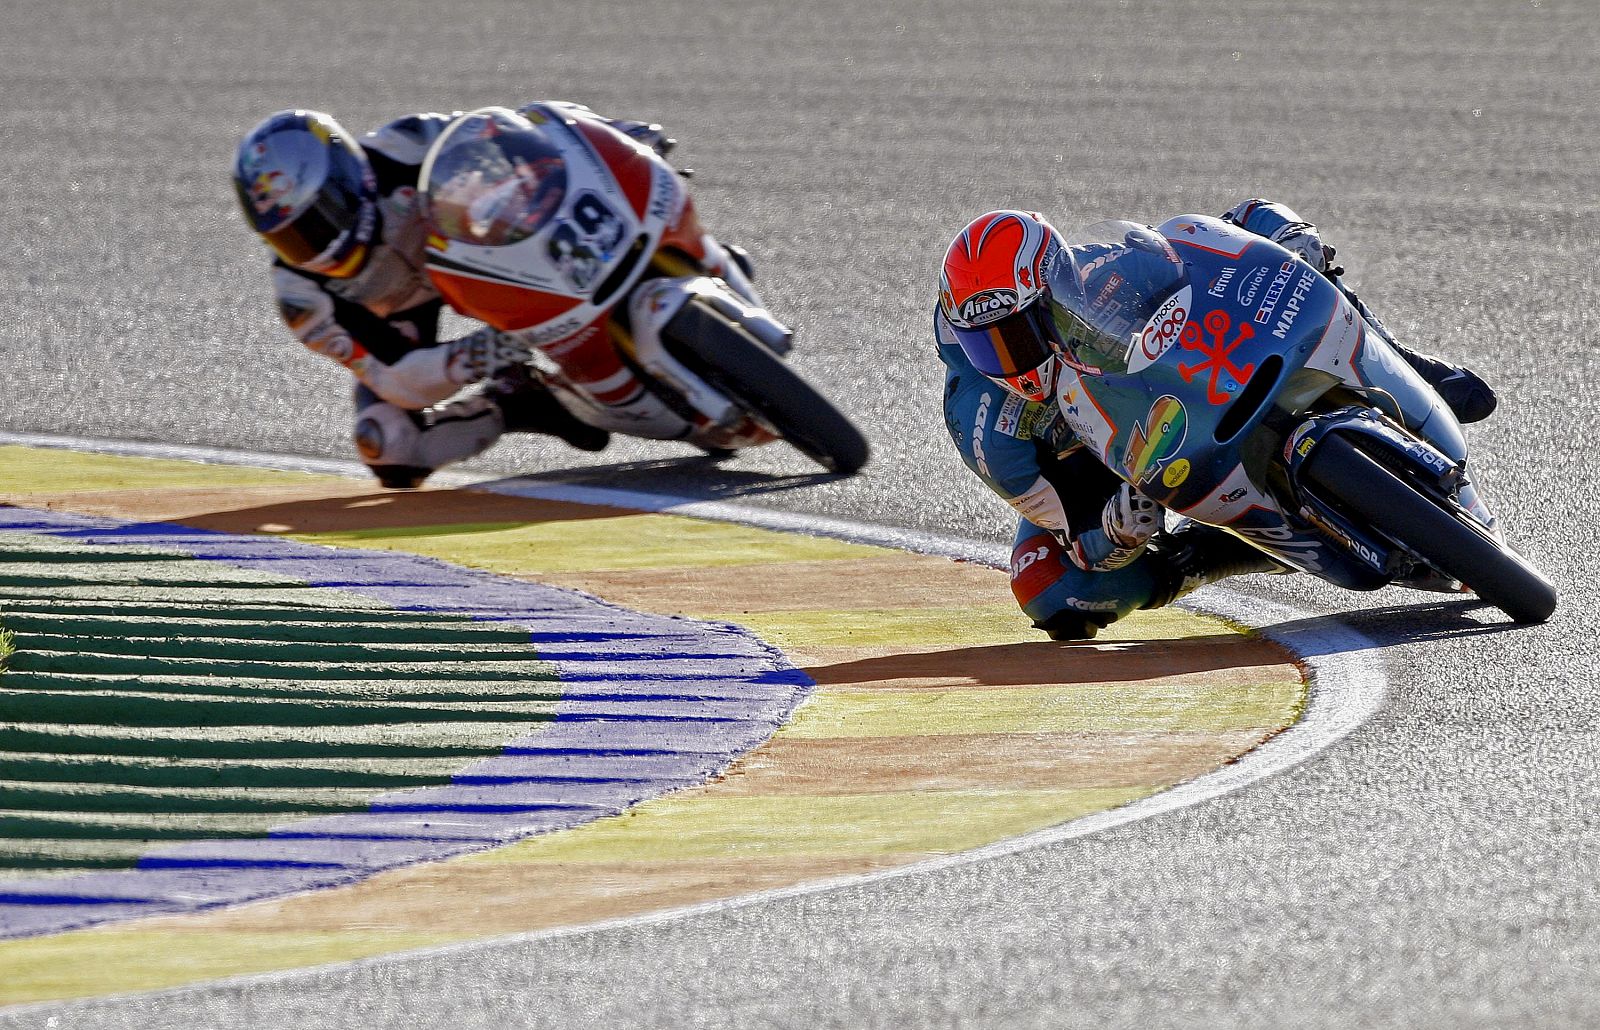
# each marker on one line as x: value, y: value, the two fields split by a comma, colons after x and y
x: 1013, y: 346
x: 335, y: 213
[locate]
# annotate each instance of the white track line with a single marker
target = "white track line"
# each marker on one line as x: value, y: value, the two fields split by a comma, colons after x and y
x: 1346, y: 687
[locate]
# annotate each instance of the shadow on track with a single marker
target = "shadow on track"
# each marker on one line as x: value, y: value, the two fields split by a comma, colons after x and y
x: 352, y: 508
x: 1052, y: 663
x: 1394, y: 624
x: 697, y: 477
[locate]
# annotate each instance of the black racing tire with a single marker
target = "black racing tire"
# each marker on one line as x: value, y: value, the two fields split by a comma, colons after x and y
x: 729, y: 358
x: 1449, y: 540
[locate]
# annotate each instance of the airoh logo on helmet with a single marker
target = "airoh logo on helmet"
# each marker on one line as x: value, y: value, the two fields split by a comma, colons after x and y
x: 988, y: 306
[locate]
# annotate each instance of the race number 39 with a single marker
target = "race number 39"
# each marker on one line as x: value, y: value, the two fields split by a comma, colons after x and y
x: 585, y: 241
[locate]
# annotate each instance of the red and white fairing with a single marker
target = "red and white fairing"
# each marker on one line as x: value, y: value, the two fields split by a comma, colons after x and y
x: 557, y: 285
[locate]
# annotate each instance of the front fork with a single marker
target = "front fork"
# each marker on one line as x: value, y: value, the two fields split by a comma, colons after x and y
x: 1426, y: 467
x: 653, y: 306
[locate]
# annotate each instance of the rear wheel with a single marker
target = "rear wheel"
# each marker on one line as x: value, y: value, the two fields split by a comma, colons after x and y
x: 741, y: 367
x: 1448, y: 539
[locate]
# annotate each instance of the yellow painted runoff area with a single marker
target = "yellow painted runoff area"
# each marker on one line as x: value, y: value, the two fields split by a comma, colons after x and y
x: 1090, y: 708
x: 912, y: 824
x: 29, y: 472
x: 921, y: 703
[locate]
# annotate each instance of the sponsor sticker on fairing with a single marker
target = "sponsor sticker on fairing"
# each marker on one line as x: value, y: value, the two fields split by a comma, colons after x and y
x: 1270, y: 301
x: 1295, y: 438
x: 1291, y: 307
x: 555, y: 330
x: 1161, y: 332
x: 666, y: 196
x: 1250, y: 286
x: 1280, y: 541
x: 1219, y: 285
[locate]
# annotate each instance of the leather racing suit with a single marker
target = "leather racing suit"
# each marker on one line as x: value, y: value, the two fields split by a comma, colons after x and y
x: 412, y: 414
x: 1068, y: 573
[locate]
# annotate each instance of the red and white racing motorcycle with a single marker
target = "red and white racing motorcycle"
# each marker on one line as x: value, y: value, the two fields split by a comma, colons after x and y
x: 550, y: 224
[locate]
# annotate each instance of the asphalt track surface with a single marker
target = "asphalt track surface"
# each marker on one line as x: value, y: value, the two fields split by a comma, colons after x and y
x: 1437, y: 867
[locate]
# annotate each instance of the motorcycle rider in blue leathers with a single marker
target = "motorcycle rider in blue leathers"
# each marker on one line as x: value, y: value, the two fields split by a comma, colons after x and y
x: 1089, y: 548
x: 343, y: 219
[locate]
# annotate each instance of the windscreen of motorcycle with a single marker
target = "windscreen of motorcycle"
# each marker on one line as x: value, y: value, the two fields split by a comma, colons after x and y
x: 1105, y: 284
x: 494, y: 180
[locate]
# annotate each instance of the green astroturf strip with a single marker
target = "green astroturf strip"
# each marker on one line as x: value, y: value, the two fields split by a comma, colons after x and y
x: 115, y: 665
x: 537, y: 685
x: 152, y: 623
x: 107, y: 709
x: 180, y: 644
x: 15, y: 557
x: 164, y: 826
x: 258, y: 742
x: 178, y: 772
x: 247, y: 616
x: 293, y: 603
x: 153, y: 698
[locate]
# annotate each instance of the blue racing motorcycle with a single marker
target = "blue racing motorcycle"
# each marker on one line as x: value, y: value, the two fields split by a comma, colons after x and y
x: 1239, y: 387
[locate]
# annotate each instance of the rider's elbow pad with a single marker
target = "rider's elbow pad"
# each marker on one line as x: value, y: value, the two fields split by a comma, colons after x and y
x: 1041, y: 505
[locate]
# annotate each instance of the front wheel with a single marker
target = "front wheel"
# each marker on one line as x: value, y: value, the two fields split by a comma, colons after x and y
x: 726, y: 356
x: 1451, y: 541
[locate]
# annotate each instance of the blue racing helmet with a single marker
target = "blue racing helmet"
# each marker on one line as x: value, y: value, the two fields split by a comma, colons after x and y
x: 308, y: 190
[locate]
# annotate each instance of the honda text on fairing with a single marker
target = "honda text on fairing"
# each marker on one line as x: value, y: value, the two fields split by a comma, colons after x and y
x: 551, y: 225
x: 1240, y: 388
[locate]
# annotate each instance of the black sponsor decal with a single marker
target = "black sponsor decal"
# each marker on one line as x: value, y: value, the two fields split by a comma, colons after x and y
x: 988, y: 306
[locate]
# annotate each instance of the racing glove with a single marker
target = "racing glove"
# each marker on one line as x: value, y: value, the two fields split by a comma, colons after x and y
x: 648, y: 133
x: 1303, y: 239
x: 1130, y: 518
x: 480, y: 354
x: 1127, y: 521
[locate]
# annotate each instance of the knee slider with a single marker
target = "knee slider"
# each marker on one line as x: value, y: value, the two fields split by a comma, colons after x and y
x: 1064, y: 600
x: 391, y: 435
x: 1071, y: 624
x: 431, y: 439
x: 387, y: 435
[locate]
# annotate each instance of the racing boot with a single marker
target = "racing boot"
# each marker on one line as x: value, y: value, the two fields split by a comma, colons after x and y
x: 529, y: 407
x: 1070, y: 624
x: 400, y: 477
x: 741, y: 257
x: 1462, y: 390
x: 1194, y: 555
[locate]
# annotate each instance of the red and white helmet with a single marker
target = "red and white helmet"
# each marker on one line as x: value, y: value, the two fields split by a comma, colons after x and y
x: 993, y: 273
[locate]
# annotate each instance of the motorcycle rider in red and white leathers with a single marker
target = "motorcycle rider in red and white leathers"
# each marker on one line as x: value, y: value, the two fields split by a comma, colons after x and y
x: 1089, y: 548
x: 342, y: 216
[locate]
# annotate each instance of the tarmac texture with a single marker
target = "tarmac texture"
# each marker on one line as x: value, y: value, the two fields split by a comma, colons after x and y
x: 1435, y: 868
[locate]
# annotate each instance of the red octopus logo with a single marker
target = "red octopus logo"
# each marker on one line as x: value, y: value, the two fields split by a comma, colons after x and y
x: 1217, y: 353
